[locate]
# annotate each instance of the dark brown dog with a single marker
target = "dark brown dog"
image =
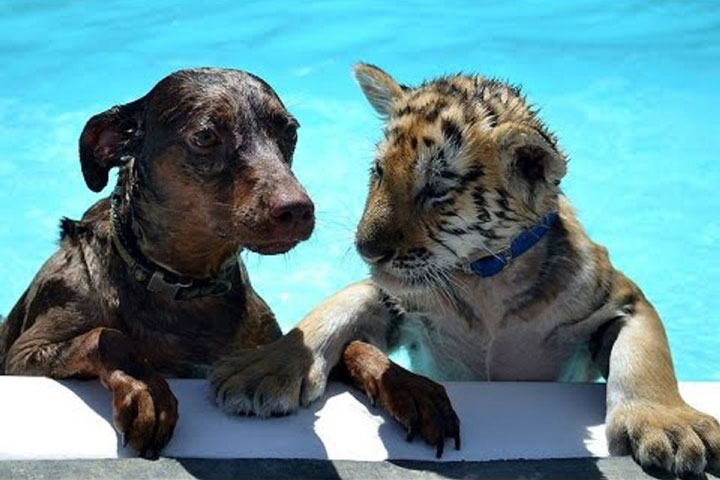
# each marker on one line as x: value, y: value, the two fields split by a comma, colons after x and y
x: 149, y: 282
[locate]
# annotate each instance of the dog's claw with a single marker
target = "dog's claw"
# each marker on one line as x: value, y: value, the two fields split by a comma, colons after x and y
x: 144, y: 413
x: 149, y: 454
x: 371, y: 398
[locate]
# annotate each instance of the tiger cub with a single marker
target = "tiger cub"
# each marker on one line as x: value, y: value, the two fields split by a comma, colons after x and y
x: 480, y: 267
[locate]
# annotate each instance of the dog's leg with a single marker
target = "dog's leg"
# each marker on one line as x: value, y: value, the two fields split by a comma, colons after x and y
x: 258, y: 326
x: 646, y: 416
x: 293, y: 371
x: 144, y: 408
x: 418, y: 403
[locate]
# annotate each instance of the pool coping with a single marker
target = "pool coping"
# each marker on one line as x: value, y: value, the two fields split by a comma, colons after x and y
x: 512, y: 430
x: 611, y: 468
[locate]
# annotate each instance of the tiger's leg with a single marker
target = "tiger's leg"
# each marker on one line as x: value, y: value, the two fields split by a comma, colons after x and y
x: 279, y: 377
x: 646, y: 416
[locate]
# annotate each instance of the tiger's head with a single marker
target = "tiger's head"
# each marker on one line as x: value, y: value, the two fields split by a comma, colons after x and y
x: 464, y: 166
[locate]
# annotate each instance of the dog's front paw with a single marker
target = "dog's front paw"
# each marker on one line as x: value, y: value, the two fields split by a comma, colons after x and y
x: 421, y: 405
x: 145, y: 412
x: 679, y: 439
x: 273, y: 379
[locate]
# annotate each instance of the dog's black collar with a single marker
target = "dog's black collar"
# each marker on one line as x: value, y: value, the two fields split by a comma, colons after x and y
x: 153, y: 277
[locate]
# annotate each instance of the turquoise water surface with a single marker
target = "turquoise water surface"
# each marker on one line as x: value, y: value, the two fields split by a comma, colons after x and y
x: 630, y: 88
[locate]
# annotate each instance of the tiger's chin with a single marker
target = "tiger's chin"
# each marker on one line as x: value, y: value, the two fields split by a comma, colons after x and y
x: 399, y: 284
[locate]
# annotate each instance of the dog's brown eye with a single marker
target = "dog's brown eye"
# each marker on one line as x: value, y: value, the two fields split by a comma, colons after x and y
x: 204, y: 138
x: 290, y: 131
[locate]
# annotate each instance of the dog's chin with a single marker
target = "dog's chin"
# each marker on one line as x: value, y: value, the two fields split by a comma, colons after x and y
x: 273, y: 248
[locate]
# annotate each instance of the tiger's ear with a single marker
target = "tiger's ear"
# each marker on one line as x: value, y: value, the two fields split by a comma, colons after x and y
x: 529, y: 158
x: 109, y: 140
x: 379, y: 88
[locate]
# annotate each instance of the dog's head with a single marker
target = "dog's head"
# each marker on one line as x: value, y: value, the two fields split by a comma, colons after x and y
x: 210, y: 152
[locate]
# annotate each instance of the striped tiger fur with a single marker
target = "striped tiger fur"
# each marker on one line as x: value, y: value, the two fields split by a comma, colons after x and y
x: 464, y: 166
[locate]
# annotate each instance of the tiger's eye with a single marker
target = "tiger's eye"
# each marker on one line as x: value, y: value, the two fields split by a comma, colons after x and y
x: 204, y: 138
x: 379, y: 172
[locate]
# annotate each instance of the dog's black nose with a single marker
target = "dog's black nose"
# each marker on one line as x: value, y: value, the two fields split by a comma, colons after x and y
x: 373, y: 252
x: 293, y: 212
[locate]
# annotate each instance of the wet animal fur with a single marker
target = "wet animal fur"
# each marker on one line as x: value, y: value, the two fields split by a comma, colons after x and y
x: 464, y: 166
x: 205, y: 171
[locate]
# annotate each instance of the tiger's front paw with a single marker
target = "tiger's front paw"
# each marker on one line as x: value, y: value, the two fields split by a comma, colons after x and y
x: 680, y: 439
x: 273, y: 379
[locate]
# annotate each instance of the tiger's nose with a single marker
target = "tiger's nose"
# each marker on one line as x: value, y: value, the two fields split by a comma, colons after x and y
x: 374, y: 253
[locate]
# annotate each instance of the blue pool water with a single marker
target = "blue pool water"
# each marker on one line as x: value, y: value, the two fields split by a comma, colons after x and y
x: 631, y: 90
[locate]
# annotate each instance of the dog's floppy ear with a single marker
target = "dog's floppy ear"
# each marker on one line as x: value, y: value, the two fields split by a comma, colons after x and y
x: 108, y: 140
x: 379, y: 87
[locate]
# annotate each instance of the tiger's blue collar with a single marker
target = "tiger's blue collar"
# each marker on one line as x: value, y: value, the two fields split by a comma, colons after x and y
x: 494, y: 264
